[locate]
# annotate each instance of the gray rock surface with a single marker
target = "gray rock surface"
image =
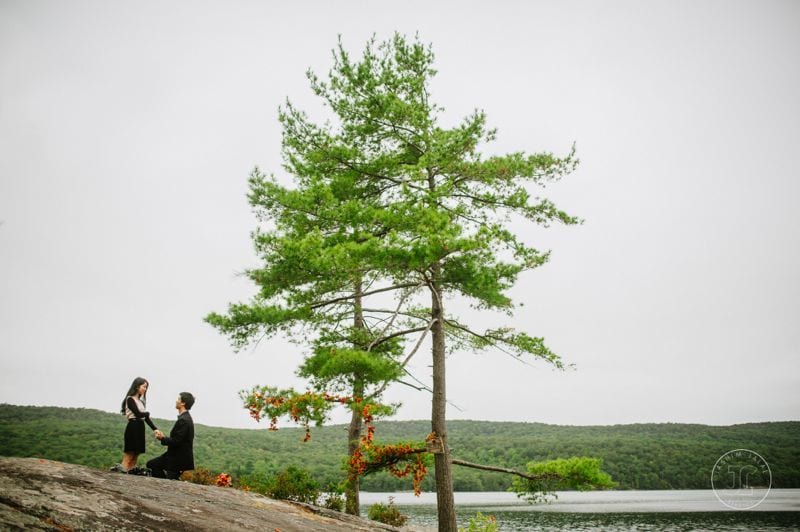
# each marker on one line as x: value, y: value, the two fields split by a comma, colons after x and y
x: 41, y: 494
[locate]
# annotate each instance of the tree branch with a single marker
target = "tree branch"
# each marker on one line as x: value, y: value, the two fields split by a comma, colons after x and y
x: 399, y: 333
x: 492, y: 340
x: 418, y: 388
x: 426, y: 388
x: 466, y: 329
x: 543, y: 476
x: 385, y: 311
x: 391, y: 321
x: 351, y: 296
x: 405, y: 362
x: 419, y: 342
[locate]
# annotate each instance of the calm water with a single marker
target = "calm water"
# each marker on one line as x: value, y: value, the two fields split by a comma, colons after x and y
x: 608, y: 510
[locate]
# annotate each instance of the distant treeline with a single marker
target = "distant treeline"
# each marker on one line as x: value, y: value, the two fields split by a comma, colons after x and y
x: 640, y: 456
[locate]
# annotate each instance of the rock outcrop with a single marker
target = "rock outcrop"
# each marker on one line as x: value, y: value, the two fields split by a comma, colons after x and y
x: 46, y: 495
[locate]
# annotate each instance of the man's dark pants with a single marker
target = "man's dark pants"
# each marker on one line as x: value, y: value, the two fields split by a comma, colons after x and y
x: 163, y: 467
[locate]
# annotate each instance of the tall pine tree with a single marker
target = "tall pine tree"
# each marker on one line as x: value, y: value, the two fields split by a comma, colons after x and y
x: 387, y: 198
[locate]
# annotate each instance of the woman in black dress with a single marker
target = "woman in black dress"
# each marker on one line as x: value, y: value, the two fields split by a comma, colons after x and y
x: 133, y: 406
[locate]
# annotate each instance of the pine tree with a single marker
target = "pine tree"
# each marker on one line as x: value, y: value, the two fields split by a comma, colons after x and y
x: 386, y: 198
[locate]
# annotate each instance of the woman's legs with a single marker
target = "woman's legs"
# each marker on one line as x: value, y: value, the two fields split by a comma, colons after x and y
x: 134, y: 443
x: 129, y: 460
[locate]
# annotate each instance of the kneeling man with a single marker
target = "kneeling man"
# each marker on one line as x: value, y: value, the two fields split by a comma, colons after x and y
x: 180, y: 453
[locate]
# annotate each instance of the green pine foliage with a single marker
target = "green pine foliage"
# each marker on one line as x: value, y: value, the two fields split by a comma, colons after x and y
x: 385, y: 202
x: 579, y: 473
x: 640, y: 456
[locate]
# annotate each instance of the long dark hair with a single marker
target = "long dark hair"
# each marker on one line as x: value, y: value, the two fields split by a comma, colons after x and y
x: 138, y: 381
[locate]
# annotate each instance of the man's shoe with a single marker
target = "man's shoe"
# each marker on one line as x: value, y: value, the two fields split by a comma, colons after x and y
x: 117, y: 468
x: 140, y: 471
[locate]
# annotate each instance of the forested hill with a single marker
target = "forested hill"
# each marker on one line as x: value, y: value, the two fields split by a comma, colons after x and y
x: 640, y: 456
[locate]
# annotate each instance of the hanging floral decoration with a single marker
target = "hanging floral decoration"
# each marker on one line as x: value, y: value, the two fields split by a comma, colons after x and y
x: 400, y: 459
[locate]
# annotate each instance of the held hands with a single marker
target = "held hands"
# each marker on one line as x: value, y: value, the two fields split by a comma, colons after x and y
x: 159, y: 435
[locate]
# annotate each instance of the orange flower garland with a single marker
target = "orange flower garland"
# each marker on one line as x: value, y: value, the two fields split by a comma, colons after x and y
x: 400, y: 460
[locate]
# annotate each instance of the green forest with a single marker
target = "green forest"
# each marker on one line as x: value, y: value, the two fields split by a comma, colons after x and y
x: 638, y: 456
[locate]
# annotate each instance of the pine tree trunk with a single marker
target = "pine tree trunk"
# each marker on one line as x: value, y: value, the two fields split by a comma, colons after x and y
x: 352, y: 503
x: 445, y: 504
x: 351, y: 495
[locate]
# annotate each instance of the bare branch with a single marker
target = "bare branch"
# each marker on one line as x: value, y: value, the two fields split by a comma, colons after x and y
x: 419, y: 343
x: 433, y: 290
x: 543, y: 476
x: 466, y: 329
x: 405, y: 362
x: 351, y: 296
x: 391, y: 321
x: 492, y: 340
x: 399, y: 333
x: 258, y: 342
x: 418, y: 388
x: 385, y: 311
x: 428, y: 389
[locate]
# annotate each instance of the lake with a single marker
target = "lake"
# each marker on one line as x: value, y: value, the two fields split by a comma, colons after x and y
x: 670, y: 510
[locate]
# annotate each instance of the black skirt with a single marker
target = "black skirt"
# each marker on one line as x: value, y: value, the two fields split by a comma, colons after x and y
x: 134, y: 436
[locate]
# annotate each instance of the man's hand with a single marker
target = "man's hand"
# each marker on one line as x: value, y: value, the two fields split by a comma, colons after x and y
x: 159, y: 434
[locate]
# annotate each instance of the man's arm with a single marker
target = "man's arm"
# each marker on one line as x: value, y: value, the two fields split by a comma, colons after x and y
x: 179, y: 433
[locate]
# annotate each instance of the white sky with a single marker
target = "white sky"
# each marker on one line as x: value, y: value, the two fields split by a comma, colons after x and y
x: 127, y: 131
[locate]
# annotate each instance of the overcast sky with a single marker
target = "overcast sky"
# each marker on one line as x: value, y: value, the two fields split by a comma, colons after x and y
x: 127, y: 131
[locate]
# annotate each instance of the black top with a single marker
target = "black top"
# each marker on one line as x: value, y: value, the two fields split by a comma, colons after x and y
x: 131, y: 404
x: 180, y: 443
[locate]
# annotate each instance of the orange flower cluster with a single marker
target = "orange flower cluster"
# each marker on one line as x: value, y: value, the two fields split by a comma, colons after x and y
x: 388, y: 457
x: 358, y: 466
x: 343, y: 399
x: 369, y: 457
x: 401, y: 460
x: 300, y: 408
x: 367, y: 416
x: 224, y: 480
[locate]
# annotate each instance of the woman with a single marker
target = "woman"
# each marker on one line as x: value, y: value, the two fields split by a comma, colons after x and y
x: 133, y: 406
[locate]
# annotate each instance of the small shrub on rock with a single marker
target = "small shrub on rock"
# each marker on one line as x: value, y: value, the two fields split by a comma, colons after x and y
x: 200, y: 476
x: 481, y: 523
x: 387, y: 513
x: 334, y: 498
x: 293, y: 484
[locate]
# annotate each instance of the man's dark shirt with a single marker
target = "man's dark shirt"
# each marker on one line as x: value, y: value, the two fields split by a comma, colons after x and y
x: 180, y: 450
